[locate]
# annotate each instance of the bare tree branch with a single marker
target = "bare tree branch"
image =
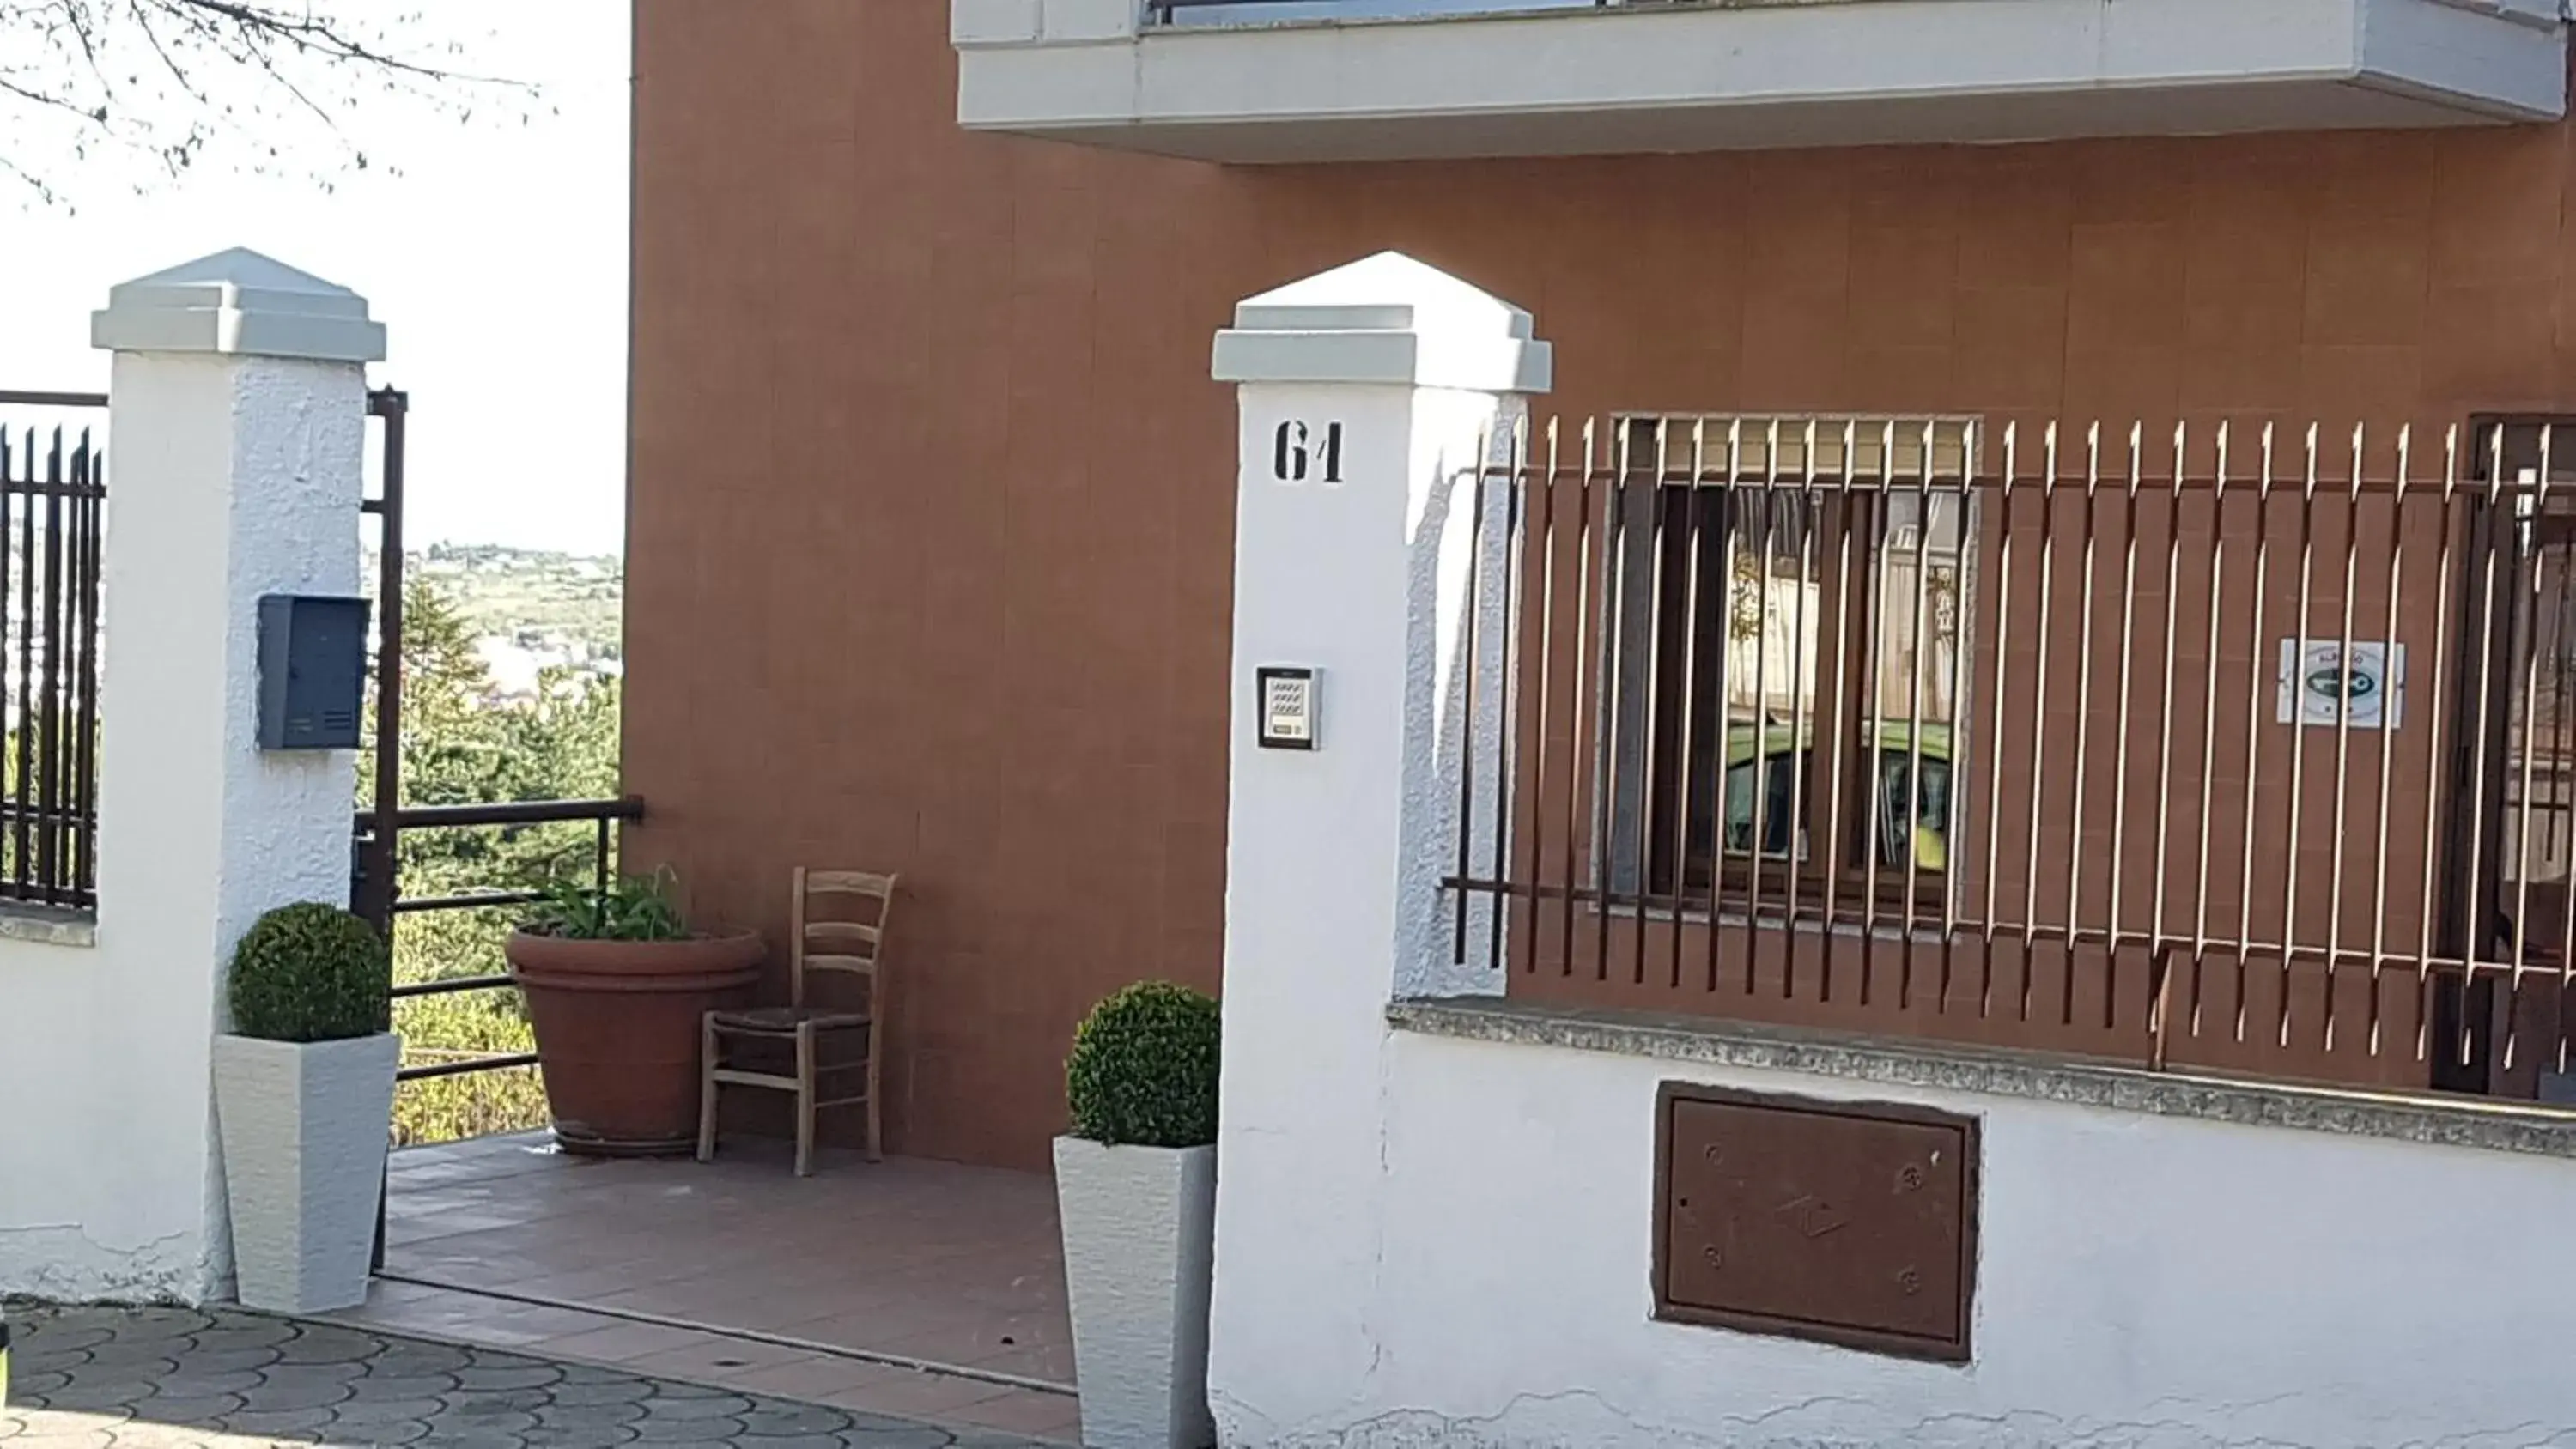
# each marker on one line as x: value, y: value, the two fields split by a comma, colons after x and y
x: 268, y: 86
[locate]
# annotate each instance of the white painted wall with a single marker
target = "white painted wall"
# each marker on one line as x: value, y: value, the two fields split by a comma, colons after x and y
x: 1424, y: 1241
x: 1363, y: 580
x: 2146, y: 1281
x: 231, y: 476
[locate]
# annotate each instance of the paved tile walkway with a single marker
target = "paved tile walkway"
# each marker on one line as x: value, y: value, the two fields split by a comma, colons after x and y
x: 110, y: 1378
x: 833, y: 1289
x: 930, y: 1262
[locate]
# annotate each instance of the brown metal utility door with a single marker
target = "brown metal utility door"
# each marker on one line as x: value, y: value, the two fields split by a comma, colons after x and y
x: 1851, y: 1224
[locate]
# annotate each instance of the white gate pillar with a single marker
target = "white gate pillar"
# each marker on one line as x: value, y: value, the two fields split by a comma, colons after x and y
x: 1361, y: 553
x: 237, y: 448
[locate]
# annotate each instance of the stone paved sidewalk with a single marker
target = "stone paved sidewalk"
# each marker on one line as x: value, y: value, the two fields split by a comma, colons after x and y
x: 110, y: 1378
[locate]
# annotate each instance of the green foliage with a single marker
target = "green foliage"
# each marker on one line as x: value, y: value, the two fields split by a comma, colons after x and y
x: 629, y: 908
x: 438, y: 1029
x: 461, y: 746
x: 1144, y: 1068
x: 310, y: 973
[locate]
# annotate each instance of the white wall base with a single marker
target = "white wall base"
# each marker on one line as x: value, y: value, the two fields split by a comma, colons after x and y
x: 72, y: 1264
x: 305, y: 1128
x: 2145, y: 1282
x: 1138, y: 1224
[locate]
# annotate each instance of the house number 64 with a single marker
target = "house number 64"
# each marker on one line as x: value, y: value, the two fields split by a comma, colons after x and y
x: 1297, y: 454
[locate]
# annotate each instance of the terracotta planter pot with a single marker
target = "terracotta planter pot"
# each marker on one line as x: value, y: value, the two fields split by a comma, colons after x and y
x: 617, y: 1032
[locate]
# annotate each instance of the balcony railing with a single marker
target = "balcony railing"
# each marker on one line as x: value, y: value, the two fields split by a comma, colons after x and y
x: 1267, y: 12
x: 603, y: 815
x: 1322, y: 80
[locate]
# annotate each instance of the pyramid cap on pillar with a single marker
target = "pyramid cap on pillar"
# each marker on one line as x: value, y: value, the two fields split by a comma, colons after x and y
x: 1385, y: 319
x: 239, y: 303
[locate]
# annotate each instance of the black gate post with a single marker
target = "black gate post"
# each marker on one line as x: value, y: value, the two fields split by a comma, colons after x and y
x: 376, y: 887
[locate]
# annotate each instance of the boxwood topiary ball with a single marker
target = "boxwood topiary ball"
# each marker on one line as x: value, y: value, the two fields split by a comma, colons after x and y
x: 1144, y: 1068
x: 308, y: 973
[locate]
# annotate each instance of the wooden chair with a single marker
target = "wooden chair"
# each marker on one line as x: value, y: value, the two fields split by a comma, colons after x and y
x: 819, y: 944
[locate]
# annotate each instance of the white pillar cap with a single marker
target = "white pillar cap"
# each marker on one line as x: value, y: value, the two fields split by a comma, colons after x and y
x: 1384, y: 319
x: 241, y: 303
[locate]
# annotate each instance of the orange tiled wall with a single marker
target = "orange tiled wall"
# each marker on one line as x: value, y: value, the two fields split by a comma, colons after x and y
x: 931, y: 497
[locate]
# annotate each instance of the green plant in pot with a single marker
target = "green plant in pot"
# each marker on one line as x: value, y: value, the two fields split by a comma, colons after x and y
x: 617, y: 986
x: 304, y: 1091
x: 625, y: 908
x: 1136, y: 1193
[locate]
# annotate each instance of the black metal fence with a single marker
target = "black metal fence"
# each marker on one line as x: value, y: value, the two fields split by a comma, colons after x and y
x: 53, y: 490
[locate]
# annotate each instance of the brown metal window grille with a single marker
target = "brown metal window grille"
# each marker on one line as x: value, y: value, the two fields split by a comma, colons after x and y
x: 2236, y: 748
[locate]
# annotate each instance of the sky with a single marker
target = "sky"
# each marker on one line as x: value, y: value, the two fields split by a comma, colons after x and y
x: 496, y: 261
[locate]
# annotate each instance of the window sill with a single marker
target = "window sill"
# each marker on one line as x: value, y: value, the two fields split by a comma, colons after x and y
x: 48, y: 925
x: 2521, y: 1127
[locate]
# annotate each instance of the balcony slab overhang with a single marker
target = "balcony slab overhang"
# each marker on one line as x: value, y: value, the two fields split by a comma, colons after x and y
x: 1408, y: 79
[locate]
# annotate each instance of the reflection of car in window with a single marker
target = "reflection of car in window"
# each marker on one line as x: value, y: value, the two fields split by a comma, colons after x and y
x: 1780, y: 770
x: 1786, y: 800
x: 1931, y: 814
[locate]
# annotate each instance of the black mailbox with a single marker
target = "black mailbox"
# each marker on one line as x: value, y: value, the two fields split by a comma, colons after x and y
x: 312, y: 672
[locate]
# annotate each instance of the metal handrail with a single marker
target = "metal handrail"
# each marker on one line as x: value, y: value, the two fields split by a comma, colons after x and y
x: 468, y: 901
x: 507, y: 812
x: 467, y: 1067
x: 405, y: 990
x: 365, y: 824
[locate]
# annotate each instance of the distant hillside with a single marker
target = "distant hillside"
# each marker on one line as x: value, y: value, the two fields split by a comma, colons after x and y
x: 507, y: 590
x: 529, y: 608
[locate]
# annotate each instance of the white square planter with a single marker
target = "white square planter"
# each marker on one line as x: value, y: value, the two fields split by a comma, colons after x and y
x: 1139, y: 1224
x: 304, y: 1133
